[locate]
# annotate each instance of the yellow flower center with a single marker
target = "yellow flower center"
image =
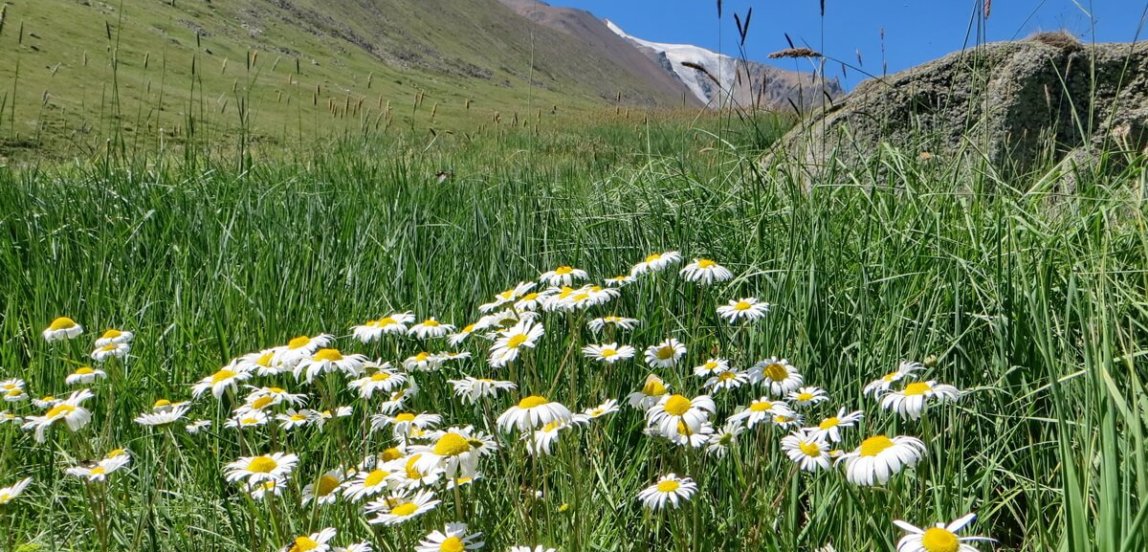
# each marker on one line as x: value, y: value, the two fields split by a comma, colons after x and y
x: 890, y: 377
x: 668, y: 486
x: 162, y: 403
x: 515, y: 341
x: 15, y: 391
x: 330, y: 355
x: 532, y: 401
x: 326, y: 485
x: 62, y: 323
x: 452, y: 544
x: 563, y: 270
x: 452, y: 444
x: 109, y: 347
x: 654, y: 387
x: 387, y: 321
x: 112, y: 334
x: 422, y: 357
x: 380, y: 376
x: 875, y: 445
x: 742, y: 306
x: 276, y: 390
x: 392, y: 453
x: 299, y: 342
x: 114, y: 453
x: 937, y: 539
x: 431, y: 323
x: 249, y: 421
x: 677, y: 405
x: 917, y: 388
x: 710, y: 365
x: 84, y: 371
x: 374, y: 478
x: 653, y: 257
x: 304, y: 544
x: 411, y: 469
x: 262, y: 464
x: 222, y: 375
x: 776, y: 372
x: 298, y: 417
x: 811, y: 450
x: 726, y: 376
x: 665, y: 352
x: 829, y: 423
x: 262, y: 402
x: 705, y: 263
x: 405, y: 417
x: 405, y: 509
x: 804, y: 396
x: 608, y: 353
x: 760, y: 406
x: 98, y: 470
x: 60, y: 411
x: 528, y: 297
x: 265, y: 359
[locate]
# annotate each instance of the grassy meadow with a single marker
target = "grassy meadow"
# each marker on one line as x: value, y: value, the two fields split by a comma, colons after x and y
x: 1030, y: 301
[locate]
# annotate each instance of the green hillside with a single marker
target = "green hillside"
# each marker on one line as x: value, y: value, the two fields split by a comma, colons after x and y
x: 77, y: 75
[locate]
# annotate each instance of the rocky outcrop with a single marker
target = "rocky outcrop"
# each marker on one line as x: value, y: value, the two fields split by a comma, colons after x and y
x: 1019, y: 106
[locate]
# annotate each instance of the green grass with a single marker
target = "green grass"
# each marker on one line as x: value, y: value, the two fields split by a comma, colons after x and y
x: 83, y: 78
x: 1033, y: 303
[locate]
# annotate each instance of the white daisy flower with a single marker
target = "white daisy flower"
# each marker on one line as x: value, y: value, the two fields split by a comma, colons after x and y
x: 509, y: 296
x: 454, y: 538
x: 652, y: 391
x: 62, y: 328
x: 726, y: 380
x: 430, y: 328
x: 706, y: 272
x: 620, y: 322
x: 530, y: 302
x: 807, y: 396
x: 13, y: 390
x: 98, y: 472
x: 655, y: 262
x: 329, y: 360
x: 777, y: 374
x: 218, y: 383
x: 383, y: 380
x: 620, y: 280
x: 8, y: 494
x: 665, y: 354
x: 162, y: 416
x: 669, y: 489
x: 472, y: 389
x: 325, y: 489
x: 412, y: 472
x: 938, y: 538
x: 198, y: 426
x: 70, y: 410
x: 882, y: 384
x: 682, y: 436
x: 541, y: 442
x: 608, y: 407
x: 809, y: 451
x: 402, y: 422
x: 85, y: 375
x: 300, y: 348
x: 422, y: 362
x: 747, y: 309
x: 880, y: 457
x: 455, y: 451
x: 315, y: 542
x: 367, y: 483
x: 532, y: 412
x: 787, y: 421
x: 719, y: 443
x: 111, y: 350
x: 830, y: 428
x: 711, y: 367
x: 293, y: 419
x: 911, y: 401
x: 563, y: 276
x: 254, y: 469
x: 609, y: 353
x: 678, y: 408
x: 394, y: 510
x: 270, y: 487
x: 525, y: 334
x: 113, y: 335
x: 263, y: 363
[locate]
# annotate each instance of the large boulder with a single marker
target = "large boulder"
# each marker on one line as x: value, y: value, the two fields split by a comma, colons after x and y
x: 1018, y: 106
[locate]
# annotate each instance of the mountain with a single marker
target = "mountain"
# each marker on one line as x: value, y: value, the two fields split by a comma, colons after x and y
x: 730, y: 81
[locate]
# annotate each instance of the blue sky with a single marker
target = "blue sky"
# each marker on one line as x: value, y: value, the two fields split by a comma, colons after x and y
x: 915, y: 30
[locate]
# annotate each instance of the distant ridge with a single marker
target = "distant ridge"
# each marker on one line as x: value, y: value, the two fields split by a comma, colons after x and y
x: 766, y: 86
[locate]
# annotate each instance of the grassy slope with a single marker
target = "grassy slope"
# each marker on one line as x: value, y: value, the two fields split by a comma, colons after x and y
x: 319, y: 68
x: 1037, y: 312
